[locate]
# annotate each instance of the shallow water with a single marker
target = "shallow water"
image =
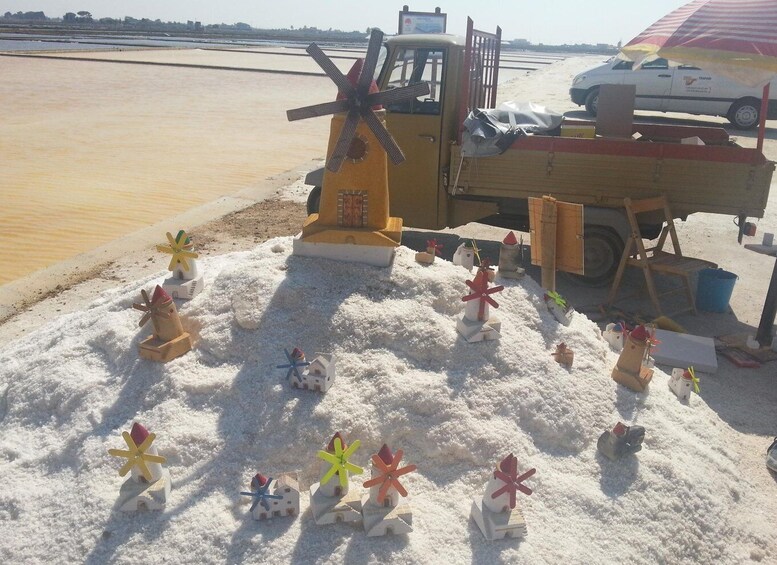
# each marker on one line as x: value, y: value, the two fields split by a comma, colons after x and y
x: 91, y: 151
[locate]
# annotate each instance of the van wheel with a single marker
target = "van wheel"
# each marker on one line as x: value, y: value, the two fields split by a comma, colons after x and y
x: 314, y: 199
x: 592, y: 102
x: 745, y: 113
x: 603, y: 249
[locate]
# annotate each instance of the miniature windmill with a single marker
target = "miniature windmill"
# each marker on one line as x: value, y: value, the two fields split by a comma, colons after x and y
x: 485, y: 266
x: 260, y: 485
x: 354, y: 205
x: 432, y: 250
x: 682, y: 382
x: 564, y: 355
x: 381, y: 509
x: 149, y: 483
x: 466, y: 254
x: 631, y: 370
x: 497, y: 513
x: 511, y: 257
x: 621, y: 440
x: 169, y: 340
x: 482, y: 293
x: 186, y: 281
x: 476, y: 324
x: 559, y: 307
x: 282, y: 501
x: 331, y: 500
x: 338, y: 460
x: 318, y: 375
x: 296, y: 360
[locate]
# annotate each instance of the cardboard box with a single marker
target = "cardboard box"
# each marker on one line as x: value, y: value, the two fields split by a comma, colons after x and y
x: 586, y: 132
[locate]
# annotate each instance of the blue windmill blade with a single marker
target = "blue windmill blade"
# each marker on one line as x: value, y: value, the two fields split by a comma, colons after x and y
x: 261, y: 495
x: 292, y: 366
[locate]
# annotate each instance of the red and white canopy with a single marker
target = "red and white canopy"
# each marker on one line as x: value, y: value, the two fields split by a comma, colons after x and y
x: 734, y: 38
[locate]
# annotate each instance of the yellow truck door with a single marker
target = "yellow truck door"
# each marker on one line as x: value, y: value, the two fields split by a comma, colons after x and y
x: 416, y: 126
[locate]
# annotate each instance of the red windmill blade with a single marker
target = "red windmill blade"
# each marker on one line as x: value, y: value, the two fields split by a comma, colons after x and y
x: 481, y: 292
x: 358, y: 98
x: 389, y: 472
x: 432, y: 244
x: 512, y: 482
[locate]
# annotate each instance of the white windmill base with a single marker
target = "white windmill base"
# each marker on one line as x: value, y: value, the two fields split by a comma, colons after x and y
x: 375, y: 255
x: 382, y: 520
x: 182, y: 288
x: 475, y: 330
x: 153, y: 496
x: 333, y: 509
x: 498, y: 525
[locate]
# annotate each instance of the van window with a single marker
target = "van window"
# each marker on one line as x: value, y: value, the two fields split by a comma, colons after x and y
x: 623, y: 66
x: 656, y: 64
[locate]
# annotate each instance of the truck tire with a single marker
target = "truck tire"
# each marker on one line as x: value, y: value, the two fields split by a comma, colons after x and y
x: 603, y: 250
x: 745, y: 113
x: 314, y: 199
x: 592, y: 101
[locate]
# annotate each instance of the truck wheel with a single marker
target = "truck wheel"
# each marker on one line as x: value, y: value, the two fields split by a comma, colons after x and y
x: 592, y: 102
x: 745, y: 113
x: 314, y: 199
x: 603, y: 250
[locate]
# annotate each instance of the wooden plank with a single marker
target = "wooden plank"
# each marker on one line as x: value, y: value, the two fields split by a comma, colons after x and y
x: 569, y: 236
x: 571, y: 245
x: 548, y: 228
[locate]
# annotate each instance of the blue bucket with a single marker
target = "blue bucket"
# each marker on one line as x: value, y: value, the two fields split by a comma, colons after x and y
x: 713, y: 290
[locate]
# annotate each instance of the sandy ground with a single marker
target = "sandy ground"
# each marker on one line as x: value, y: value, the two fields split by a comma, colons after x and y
x: 745, y: 399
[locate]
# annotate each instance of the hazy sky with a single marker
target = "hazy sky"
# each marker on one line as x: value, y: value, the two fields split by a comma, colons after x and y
x: 551, y: 21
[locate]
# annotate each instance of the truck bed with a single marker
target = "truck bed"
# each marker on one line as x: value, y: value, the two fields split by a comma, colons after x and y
x: 719, y: 177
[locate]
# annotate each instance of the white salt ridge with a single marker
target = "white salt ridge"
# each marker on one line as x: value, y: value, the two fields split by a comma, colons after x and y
x: 223, y: 412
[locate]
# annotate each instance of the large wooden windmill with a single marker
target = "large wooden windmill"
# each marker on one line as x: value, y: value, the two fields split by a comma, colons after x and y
x: 354, y: 206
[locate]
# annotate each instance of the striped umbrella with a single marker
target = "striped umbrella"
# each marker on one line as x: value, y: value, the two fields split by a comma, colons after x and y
x: 733, y: 38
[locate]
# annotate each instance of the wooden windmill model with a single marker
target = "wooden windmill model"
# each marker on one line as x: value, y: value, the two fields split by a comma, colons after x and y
x: 169, y: 339
x: 353, y: 222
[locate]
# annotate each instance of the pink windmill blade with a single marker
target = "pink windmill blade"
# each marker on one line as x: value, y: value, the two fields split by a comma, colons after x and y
x: 512, y: 482
x: 480, y: 291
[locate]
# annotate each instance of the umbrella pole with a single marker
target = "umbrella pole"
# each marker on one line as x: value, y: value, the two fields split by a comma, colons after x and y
x: 764, y: 110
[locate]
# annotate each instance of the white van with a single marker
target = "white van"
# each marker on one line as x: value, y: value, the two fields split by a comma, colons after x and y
x: 665, y: 88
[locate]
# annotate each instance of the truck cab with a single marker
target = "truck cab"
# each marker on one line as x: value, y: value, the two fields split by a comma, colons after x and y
x: 439, y: 186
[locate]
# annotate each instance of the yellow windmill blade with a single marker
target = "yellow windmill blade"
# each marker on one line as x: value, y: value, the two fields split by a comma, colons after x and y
x: 694, y: 380
x: 136, y: 455
x: 176, y: 247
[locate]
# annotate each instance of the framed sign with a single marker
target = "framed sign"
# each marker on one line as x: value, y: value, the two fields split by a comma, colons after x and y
x: 422, y: 22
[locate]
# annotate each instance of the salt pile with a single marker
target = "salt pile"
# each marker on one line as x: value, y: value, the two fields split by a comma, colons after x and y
x: 223, y: 412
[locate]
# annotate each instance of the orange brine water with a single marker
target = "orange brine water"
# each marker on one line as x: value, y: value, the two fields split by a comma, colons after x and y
x: 90, y: 151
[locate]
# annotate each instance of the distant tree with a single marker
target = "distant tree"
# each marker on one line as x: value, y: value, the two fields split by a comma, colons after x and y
x: 84, y: 16
x: 8, y: 15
